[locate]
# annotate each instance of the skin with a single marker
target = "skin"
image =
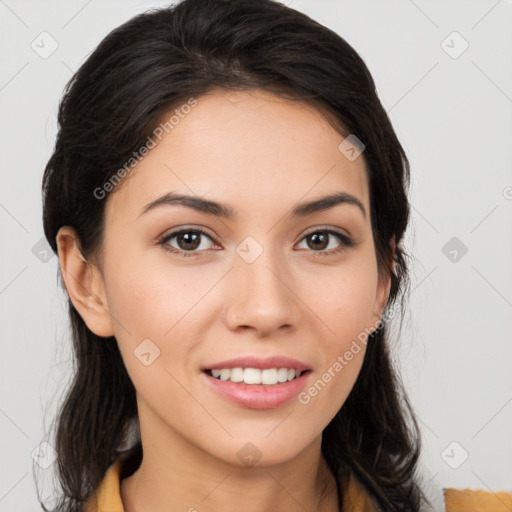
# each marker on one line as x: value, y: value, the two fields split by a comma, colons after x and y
x: 261, y: 155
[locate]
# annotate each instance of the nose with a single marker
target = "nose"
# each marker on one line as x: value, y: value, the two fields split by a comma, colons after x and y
x: 263, y: 296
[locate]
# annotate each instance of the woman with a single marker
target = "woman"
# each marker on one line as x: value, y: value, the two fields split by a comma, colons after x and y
x: 227, y: 199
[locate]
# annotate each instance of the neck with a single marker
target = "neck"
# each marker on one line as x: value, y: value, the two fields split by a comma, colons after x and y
x: 175, y: 475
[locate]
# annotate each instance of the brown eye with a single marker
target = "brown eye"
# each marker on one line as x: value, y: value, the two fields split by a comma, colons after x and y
x: 189, y: 242
x: 320, y: 240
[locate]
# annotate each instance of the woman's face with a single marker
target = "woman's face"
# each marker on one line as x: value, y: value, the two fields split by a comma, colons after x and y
x: 259, y: 284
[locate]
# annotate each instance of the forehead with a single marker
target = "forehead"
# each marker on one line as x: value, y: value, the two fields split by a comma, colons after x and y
x: 250, y: 149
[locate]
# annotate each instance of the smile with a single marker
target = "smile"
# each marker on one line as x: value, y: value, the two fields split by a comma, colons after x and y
x: 268, y: 376
x: 252, y: 392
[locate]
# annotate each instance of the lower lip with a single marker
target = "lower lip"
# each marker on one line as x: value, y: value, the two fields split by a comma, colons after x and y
x: 258, y: 396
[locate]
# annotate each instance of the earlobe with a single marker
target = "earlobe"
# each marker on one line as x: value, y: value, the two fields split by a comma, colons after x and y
x: 84, y: 284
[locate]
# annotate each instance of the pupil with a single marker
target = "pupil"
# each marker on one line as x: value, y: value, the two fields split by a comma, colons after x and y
x: 186, y: 237
x: 316, y: 237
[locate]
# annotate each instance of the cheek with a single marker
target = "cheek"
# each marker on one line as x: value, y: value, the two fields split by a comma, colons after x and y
x: 139, y: 305
x: 148, y: 299
x: 156, y: 302
x: 345, y: 300
x: 345, y: 303
x: 148, y: 308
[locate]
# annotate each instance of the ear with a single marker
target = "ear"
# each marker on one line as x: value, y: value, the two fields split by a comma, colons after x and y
x: 384, y: 287
x: 84, y: 284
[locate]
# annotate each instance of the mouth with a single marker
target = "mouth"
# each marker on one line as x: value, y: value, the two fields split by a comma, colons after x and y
x: 256, y: 376
x: 255, y: 388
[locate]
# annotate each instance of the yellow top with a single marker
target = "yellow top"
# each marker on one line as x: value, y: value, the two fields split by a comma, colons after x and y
x: 107, y: 497
x: 477, y: 501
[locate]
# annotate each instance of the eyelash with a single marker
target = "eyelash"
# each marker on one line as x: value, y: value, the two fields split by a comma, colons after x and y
x: 346, y: 242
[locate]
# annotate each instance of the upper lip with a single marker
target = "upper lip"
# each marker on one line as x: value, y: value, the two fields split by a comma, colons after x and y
x: 259, y: 362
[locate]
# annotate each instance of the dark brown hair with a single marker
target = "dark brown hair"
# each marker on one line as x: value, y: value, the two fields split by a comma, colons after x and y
x: 144, y: 69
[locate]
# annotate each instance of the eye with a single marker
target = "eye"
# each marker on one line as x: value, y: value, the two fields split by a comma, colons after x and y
x: 188, y: 241
x: 320, y: 240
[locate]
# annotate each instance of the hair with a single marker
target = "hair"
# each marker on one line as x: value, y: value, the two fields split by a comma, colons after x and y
x: 140, y: 72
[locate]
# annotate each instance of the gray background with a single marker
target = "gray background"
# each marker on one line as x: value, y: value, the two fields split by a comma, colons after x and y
x: 452, y: 112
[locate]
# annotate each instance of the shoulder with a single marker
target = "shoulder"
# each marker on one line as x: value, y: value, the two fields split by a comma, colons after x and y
x: 107, y: 497
x: 355, y: 497
x: 455, y: 500
x: 469, y: 500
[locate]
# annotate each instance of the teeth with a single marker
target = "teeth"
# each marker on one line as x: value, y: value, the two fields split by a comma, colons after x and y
x: 252, y: 376
x: 282, y: 374
x: 270, y: 376
x: 237, y: 375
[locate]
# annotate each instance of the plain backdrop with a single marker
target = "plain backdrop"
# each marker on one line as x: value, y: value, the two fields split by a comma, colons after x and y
x: 443, y: 72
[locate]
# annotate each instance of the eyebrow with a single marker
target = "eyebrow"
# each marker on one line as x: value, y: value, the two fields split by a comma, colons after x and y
x: 227, y: 212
